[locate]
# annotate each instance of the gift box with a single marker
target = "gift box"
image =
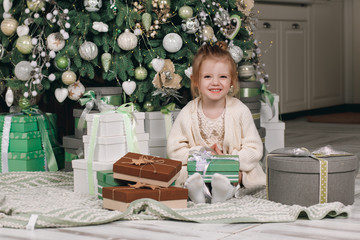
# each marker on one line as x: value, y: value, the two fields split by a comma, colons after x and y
x: 27, y: 141
x: 74, y: 149
x: 112, y: 124
x: 275, y: 135
x: 109, y: 95
x: 266, y: 112
x: 106, y: 179
x: 25, y: 123
x: 155, y: 123
x: 147, y: 169
x: 249, y: 91
x: 119, y: 198
x: 296, y: 180
x: 112, y: 148
x: 157, y: 147
x: 227, y: 165
x: 76, y: 114
x: 32, y: 161
x: 81, y: 182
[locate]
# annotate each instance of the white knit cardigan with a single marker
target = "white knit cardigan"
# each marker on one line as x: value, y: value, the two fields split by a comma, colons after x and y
x: 241, y: 138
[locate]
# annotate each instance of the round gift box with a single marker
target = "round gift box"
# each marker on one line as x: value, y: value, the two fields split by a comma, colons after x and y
x: 250, y: 91
x: 295, y: 180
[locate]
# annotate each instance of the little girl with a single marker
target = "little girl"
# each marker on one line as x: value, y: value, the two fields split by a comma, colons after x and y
x: 218, y: 121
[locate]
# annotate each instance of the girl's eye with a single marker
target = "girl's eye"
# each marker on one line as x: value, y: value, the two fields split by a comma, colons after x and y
x: 223, y: 77
x: 207, y: 76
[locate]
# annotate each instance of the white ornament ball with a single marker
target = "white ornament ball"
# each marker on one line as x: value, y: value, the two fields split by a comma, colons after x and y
x: 55, y: 42
x: 127, y: 40
x: 34, y: 93
x: 26, y: 94
x: 172, y: 42
x: 88, y: 50
x: 68, y: 77
x: 76, y: 91
x: 23, y: 70
x: 8, y: 26
x: 52, y: 77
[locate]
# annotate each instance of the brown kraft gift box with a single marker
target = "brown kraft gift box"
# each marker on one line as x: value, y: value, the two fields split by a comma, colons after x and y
x: 119, y: 198
x: 147, y: 169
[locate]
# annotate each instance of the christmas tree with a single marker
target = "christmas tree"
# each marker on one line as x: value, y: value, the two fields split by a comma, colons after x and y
x: 50, y: 47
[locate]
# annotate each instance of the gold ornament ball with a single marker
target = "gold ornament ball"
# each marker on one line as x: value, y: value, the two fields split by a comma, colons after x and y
x: 246, y: 70
x: 8, y: 26
x: 24, y: 45
x: 208, y: 32
x: 140, y: 73
x: 36, y: 5
x: 186, y: 12
x: 68, y: 77
x: 24, y: 103
x: 148, y: 106
x: 165, y: 3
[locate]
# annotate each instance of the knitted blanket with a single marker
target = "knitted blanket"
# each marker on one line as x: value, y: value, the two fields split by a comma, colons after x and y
x: 50, y: 196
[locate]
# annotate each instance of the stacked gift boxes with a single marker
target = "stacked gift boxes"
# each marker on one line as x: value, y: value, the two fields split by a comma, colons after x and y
x: 274, y: 127
x: 157, y: 126
x: 153, y: 177
x: 110, y: 144
x: 25, y: 145
x: 250, y: 95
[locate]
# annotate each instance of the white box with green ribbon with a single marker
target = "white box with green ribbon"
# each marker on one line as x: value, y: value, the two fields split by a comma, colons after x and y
x: 108, y: 149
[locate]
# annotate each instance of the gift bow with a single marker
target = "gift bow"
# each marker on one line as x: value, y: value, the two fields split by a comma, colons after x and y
x: 168, y: 108
x: 268, y: 98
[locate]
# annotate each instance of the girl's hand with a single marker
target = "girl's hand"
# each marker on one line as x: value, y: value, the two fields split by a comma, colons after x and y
x: 217, y: 150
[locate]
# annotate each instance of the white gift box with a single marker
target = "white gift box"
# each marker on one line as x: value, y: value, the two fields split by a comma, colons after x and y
x: 110, y: 149
x: 275, y: 132
x: 155, y: 124
x: 266, y: 113
x: 81, y: 184
x: 157, y: 147
x: 112, y: 124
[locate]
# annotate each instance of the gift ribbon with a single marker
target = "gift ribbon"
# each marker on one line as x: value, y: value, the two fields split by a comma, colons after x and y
x: 268, y: 98
x: 168, y: 117
x: 114, y: 100
x: 323, y: 170
x: 5, y: 144
x: 49, y: 159
x: 250, y: 92
x: 130, y: 131
x: 130, y: 126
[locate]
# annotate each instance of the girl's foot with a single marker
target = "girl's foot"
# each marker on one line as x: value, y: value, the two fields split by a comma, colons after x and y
x: 222, y: 189
x: 195, y: 185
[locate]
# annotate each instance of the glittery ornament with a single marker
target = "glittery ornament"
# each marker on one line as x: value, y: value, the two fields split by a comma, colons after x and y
x: 61, y: 94
x: 146, y: 20
x: 76, y: 91
x: 88, y: 50
x: 172, y: 42
x: 23, y: 70
x: 24, y: 103
x: 140, y: 73
x: 127, y: 40
x: 62, y: 62
x: 186, y: 12
x: 106, y: 61
x: 129, y: 87
x: 22, y: 30
x: 190, y: 25
x: 68, y: 77
x: 24, y: 45
x: 8, y: 26
x: 236, y: 53
x: 92, y: 5
x: 55, y: 41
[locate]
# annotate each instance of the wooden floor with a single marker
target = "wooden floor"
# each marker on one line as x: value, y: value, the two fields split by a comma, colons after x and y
x: 298, y: 133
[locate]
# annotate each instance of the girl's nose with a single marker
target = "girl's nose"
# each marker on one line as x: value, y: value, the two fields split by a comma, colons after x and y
x: 215, y: 80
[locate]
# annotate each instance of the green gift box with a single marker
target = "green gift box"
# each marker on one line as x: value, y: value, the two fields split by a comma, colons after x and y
x: 227, y: 165
x: 31, y: 161
x: 27, y: 141
x: 25, y: 123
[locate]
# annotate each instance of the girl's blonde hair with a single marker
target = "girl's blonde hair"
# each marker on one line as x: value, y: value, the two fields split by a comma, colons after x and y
x: 208, y: 51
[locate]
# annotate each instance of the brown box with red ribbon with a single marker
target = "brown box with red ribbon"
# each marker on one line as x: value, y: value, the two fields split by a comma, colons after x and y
x: 119, y: 198
x: 147, y: 169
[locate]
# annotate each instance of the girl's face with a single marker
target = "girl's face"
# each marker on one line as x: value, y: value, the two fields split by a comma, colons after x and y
x: 215, y: 79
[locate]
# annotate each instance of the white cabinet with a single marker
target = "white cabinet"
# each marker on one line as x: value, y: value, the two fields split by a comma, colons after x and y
x: 283, y: 36
x: 305, y: 59
x: 327, y: 48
